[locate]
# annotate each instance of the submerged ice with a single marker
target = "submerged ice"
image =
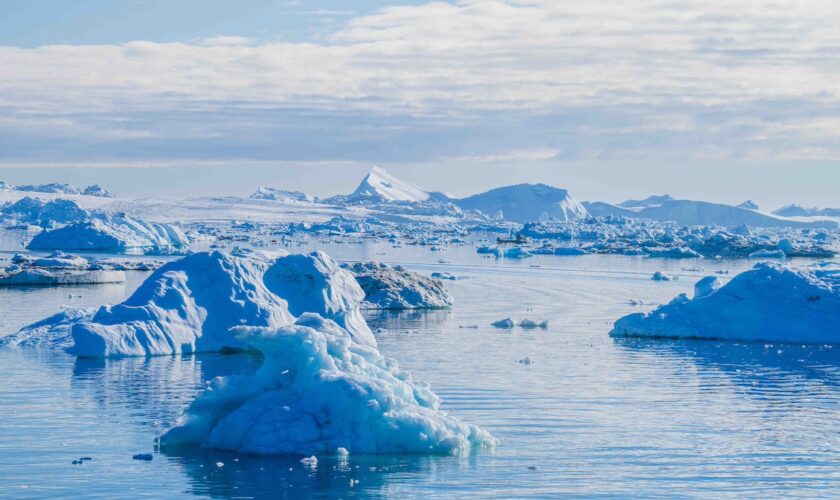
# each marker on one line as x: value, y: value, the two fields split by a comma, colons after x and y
x: 319, y: 392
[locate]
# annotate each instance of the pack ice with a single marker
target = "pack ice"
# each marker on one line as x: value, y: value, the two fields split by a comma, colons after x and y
x: 770, y: 302
x: 318, y: 392
x: 190, y: 305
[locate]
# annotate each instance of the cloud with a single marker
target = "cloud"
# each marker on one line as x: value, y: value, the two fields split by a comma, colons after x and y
x: 721, y: 78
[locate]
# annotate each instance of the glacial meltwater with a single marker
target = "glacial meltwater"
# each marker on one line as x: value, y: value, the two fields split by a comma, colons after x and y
x: 576, y: 411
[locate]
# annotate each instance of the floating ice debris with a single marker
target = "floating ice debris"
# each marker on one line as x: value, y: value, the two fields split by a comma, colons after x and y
x: 506, y: 323
x: 530, y: 323
x: 335, y: 393
x: 388, y: 287
x: 310, y: 461
x: 146, y: 457
x: 444, y: 276
x: 525, y: 361
x: 219, y: 465
x: 770, y: 302
x: 660, y: 276
x: 342, y: 452
x: 767, y: 254
x: 517, y: 253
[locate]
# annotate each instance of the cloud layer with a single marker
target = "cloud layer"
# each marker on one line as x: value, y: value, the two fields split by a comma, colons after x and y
x: 648, y: 79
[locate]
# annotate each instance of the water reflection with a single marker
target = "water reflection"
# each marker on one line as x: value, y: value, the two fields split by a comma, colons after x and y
x: 755, y: 366
x: 157, y: 388
x: 286, y: 477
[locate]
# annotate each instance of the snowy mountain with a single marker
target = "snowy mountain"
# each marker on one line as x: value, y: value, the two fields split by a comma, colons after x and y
x: 701, y: 213
x: 379, y: 186
x: 650, y: 201
x: 749, y: 205
x: 526, y: 203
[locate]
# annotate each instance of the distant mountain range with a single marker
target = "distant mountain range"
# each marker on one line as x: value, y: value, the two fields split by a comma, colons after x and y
x: 523, y: 203
x: 56, y: 188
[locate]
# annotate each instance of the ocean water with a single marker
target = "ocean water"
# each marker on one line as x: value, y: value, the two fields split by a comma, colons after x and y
x: 589, y: 416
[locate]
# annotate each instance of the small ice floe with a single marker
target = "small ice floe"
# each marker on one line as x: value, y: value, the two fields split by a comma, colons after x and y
x: 660, y: 276
x: 444, y: 276
x: 310, y: 461
x: 693, y: 269
x: 354, y: 482
x: 145, y: 457
x: 531, y: 323
x: 219, y: 465
x: 472, y: 327
x: 525, y: 361
x: 635, y: 302
x: 342, y: 452
x: 506, y: 323
x: 767, y: 254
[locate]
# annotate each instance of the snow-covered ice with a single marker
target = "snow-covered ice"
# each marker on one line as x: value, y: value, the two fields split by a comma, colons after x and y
x: 319, y: 391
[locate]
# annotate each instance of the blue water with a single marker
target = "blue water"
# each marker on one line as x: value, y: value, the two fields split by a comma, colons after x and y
x: 591, y: 416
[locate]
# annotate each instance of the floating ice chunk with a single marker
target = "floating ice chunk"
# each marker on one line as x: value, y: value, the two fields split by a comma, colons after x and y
x: 444, y: 276
x: 506, y: 323
x: 768, y: 254
x: 660, y: 276
x: 490, y: 250
x: 317, y: 391
x: 42, y: 277
x: 387, y: 287
x: 146, y: 457
x: 530, y: 323
x: 517, y: 253
x: 310, y: 461
x: 770, y: 302
x: 707, y: 286
x: 675, y: 253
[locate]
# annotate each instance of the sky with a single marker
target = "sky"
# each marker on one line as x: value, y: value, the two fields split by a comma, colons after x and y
x: 720, y: 100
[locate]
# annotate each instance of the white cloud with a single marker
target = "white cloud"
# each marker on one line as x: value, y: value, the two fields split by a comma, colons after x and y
x: 663, y: 58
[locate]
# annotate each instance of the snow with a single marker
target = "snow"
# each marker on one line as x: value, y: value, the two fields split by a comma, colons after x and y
x: 319, y: 391
x: 111, y: 233
x: 379, y: 185
x: 526, y: 203
x: 770, y: 302
x: 707, y: 286
x: 388, y: 287
x: 767, y: 254
x: 190, y: 305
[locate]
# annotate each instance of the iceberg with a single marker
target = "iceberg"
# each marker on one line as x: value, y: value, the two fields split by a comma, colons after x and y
x: 770, y: 302
x: 388, y: 287
x: 319, y: 392
x: 191, y: 304
x: 111, y: 233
